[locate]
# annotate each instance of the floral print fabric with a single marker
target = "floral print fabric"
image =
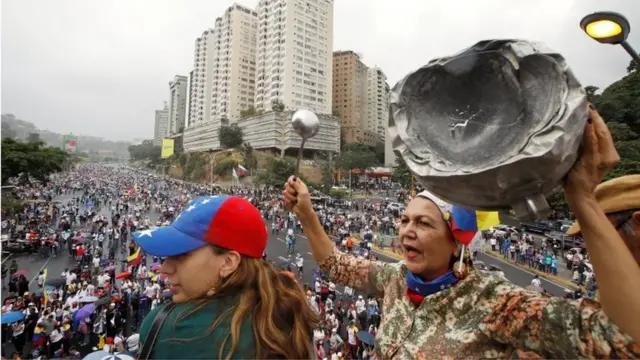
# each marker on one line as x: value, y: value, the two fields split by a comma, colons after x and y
x: 483, y: 316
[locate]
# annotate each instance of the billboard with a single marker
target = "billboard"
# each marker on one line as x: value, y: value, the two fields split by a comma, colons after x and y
x: 69, y: 143
x: 167, y: 148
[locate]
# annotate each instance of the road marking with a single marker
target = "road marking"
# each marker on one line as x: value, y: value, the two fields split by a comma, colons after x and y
x: 43, y: 266
x: 6, y: 258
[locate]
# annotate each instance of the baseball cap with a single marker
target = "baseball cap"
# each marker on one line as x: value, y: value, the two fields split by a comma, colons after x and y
x: 229, y: 222
x: 619, y: 194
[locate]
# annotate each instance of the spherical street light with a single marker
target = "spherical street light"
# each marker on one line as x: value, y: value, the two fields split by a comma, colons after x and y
x: 608, y: 27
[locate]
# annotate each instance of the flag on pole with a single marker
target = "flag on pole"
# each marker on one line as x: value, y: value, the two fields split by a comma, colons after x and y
x: 135, y: 259
x: 242, y: 171
x: 45, y: 293
x: 467, y: 222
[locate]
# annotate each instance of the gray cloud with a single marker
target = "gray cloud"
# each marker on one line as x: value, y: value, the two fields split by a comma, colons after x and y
x: 102, y: 67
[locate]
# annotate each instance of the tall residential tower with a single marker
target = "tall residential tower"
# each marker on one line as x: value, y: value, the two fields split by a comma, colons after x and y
x: 294, y: 54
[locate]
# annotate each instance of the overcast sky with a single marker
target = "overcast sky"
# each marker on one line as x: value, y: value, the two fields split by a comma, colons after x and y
x: 101, y: 68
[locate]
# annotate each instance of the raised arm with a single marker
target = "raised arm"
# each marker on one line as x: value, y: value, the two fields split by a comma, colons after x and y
x: 341, y: 268
x: 614, y: 266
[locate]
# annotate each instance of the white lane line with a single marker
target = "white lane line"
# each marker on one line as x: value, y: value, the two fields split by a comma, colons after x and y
x: 42, y: 268
x: 6, y: 258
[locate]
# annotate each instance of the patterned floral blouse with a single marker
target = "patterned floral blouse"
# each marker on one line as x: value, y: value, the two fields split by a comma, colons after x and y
x: 483, y: 316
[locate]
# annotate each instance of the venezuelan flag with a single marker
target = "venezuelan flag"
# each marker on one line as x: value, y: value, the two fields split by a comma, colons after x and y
x: 67, y: 331
x: 465, y: 223
x: 39, y: 337
x: 135, y: 259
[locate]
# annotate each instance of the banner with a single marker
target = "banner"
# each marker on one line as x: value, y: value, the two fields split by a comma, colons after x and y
x: 167, y: 148
x: 69, y: 143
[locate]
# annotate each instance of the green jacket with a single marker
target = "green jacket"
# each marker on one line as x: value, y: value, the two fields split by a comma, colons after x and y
x: 191, y: 337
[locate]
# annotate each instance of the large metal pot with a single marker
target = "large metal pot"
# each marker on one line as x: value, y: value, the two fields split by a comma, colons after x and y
x: 496, y: 126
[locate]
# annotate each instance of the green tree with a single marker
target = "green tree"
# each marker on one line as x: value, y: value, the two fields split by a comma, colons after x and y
x: 250, y: 159
x: 619, y: 106
x: 338, y: 193
x: 328, y: 176
x: 249, y: 112
x: 401, y: 173
x: 230, y: 136
x: 7, y: 131
x: 278, y: 171
x: 277, y: 105
x: 30, y: 160
x: 145, y: 151
x: 356, y: 156
x: 33, y: 137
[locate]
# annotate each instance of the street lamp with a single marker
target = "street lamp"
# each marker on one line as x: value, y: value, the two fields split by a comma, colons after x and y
x: 608, y: 27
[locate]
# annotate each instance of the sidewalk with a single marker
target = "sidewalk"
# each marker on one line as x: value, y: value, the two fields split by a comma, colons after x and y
x: 563, y: 278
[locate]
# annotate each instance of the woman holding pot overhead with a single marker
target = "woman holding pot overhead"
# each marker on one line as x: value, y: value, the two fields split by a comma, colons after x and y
x: 436, y: 309
x: 227, y: 301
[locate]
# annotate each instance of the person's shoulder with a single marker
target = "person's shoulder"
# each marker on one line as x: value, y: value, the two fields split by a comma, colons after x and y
x: 148, y: 320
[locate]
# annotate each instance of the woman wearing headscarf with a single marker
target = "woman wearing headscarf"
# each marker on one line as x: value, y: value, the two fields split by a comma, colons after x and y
x: 436, y: 306
x: 227, y: 301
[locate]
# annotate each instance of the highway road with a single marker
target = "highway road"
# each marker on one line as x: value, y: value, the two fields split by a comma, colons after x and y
x: 276, y: 251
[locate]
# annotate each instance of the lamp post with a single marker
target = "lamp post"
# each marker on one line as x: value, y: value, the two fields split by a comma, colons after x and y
x: 608, y: 27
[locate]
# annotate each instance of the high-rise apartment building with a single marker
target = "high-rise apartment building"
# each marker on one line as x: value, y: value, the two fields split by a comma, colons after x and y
x: 233, y: 46
x: 200, y: 79
x: 177, y: 104
x: 377, y: 102
x: 301, y: 76
x: 160, y: 125
x: 350, y: 86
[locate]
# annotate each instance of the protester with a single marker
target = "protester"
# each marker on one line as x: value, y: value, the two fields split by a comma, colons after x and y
x: 220, y: 283
x: 436, y: 304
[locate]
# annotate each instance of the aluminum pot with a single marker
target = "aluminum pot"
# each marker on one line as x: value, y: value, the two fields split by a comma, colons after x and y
x: 495, y: 127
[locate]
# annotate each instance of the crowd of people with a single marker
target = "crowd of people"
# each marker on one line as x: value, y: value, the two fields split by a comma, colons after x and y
x: 99, y: 301
x: 138, y: 287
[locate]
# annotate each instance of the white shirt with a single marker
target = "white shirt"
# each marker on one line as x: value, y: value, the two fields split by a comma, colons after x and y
x: 55, y: 336
x: 351, y: 334
x: 133, y: 342
x: 536, y: 282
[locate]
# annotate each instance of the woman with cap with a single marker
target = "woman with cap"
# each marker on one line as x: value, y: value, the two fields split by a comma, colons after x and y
x: 436, y: 306
x: 227, y: 301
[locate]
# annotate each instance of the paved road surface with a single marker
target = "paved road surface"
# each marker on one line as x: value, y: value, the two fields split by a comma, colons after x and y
x: 276, y: 251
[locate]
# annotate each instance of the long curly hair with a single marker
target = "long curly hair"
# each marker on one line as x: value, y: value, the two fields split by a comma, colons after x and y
x: 281, y: 317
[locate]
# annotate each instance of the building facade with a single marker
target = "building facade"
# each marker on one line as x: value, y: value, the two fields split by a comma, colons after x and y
x: 350, y: 102
x: 389, y: 156
x: 202, y: 137
x: 301, y: 75
x: 201, y: 77
x: 377, y: 102
x: 177, y: 104
x: 160, y: 125
x: 234, y: 63
x: 273, y: 131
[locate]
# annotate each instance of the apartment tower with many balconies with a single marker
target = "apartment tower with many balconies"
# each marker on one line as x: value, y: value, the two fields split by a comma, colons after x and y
x: 294, y: 54
x: 377, y: 102
x: 233, y: 63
